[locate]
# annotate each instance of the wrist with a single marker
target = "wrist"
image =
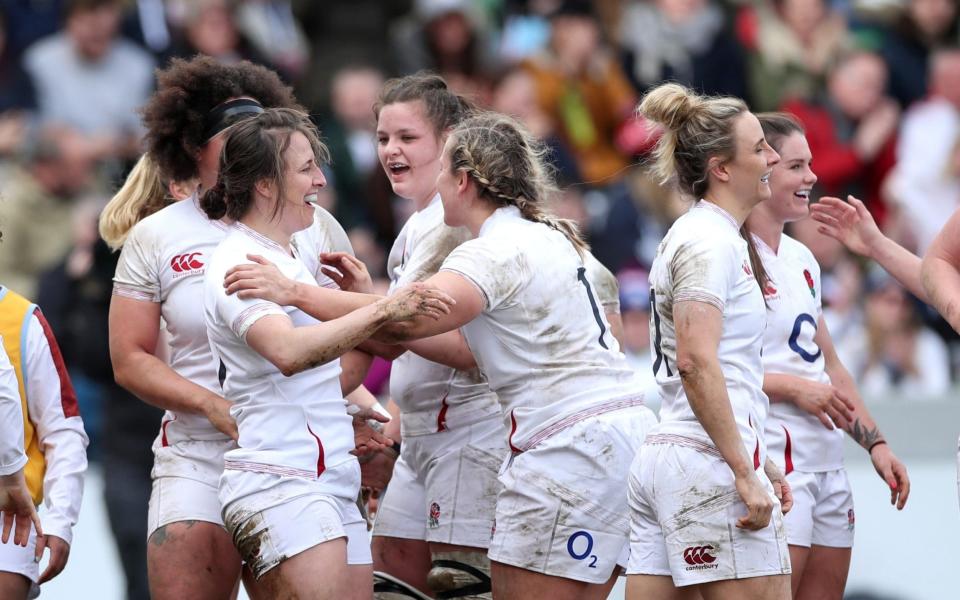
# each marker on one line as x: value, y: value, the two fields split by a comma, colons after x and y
x: 874, y: 445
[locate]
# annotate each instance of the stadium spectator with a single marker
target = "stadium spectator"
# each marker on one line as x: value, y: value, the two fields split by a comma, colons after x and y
x: 684, y: 41
x: 925, y: 184
x: 90, y: 82
x: 39, y: 200
x: 209, y: 27
x: 17, y: 98
x: 852, y: 129
x: 795, y: 40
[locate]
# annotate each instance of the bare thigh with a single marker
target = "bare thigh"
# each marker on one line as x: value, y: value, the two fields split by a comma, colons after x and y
x: 192, y: 560
x: 798, y: 565
x: 13, y: 586
x: 825, y: 575
x: 406, y: 559
x: 769, y: 587
x: 658, y: 587
x: 511, y: 582
x: 319, y: 573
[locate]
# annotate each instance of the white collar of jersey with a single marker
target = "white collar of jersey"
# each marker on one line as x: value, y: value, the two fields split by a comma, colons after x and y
x: 504, y: 212
x: 194, y: 199
x: 762, y: 245
x: 706, y: 204
x: 259, y: 237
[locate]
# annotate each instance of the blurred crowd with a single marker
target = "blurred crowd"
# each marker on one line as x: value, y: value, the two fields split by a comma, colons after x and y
x: 875, y: 82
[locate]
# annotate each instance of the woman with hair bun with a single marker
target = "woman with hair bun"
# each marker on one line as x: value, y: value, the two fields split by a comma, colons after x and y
x: 705, y: 500
x: 289, y: 488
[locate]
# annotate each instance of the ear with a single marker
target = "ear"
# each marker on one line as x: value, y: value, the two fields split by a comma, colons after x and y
x: 181, y: 190
x: 265, y: 188
x: 463, y: 181
x: 718, y: 168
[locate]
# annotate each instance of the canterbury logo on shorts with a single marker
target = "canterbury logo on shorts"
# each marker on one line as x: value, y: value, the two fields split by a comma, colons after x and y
x: 699, y: 557
x: 185, y: 263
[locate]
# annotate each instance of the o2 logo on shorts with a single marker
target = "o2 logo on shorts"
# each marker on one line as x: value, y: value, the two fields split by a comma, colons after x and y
x: 580, y: 545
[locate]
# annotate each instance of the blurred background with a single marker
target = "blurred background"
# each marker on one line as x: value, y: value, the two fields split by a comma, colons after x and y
x: 882, y: 125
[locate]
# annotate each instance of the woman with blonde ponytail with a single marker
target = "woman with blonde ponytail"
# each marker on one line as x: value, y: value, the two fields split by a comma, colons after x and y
x: 705, y: 501
x: 141, y: 195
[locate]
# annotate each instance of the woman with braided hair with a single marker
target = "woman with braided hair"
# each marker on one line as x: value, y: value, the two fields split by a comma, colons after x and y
x: 574, y: 417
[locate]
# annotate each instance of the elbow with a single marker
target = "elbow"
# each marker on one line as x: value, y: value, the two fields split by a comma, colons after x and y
x: 690, y: 365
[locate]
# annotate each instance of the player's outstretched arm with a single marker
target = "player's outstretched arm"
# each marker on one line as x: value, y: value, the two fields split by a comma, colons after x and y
x: 851, y: 224
x: 941, y: 271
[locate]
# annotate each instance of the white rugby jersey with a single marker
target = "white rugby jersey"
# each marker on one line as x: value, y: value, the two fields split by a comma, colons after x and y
x: 325, y: 235
x: 542, y: 340
x: 163, y: 260
x: 795, y: 438
x: 703, y: 259
x: 298, y: 425
x: 432, y: 397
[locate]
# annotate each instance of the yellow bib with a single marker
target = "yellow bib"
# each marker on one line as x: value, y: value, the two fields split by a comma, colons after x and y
x: 15, y: 314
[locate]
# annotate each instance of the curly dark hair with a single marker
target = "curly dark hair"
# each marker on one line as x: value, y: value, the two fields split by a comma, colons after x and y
x: 186, y: 91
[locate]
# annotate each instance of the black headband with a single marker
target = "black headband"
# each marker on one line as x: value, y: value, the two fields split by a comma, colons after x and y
x: 228, y: 113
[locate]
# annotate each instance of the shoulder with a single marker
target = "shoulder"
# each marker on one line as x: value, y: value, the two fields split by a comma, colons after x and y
x: 129, y: 54
x: 46, y: 52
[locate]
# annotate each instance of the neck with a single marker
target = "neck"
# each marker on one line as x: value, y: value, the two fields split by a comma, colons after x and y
x: 478, y: 215
x: 422, y: 203
x: 730, y: 202
x: 269, y: 227
x: 766, y: 228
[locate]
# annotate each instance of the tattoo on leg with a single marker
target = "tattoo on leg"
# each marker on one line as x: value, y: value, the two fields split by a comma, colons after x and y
x: 159, y: 536
x: 863, y: 436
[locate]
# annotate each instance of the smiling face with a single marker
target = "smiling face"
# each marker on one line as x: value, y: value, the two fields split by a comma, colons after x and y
x: 752, y: 162
x: 792, y: 180
x: 409, y: 149
x: 302, y: 182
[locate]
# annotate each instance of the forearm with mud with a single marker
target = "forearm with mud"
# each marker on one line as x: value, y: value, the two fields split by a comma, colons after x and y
x: 707, y: 393
x: 307, y: 347
x: 153, y: 381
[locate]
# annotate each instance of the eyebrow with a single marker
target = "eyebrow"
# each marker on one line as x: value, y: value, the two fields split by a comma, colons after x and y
x: 760, y: 141
x: 401, y: 130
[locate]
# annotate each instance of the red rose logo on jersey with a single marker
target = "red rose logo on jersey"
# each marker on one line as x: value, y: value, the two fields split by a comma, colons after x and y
x: 809, y: 278
x: 434, y: 521
x: 746, y: 269
x: 186, y: 263
x: 699, y: 558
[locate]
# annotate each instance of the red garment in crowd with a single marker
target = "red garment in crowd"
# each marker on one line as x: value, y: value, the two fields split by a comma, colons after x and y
x: 839, y: 170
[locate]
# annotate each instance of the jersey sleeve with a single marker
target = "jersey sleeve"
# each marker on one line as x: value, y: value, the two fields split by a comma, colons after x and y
x: 497, y: 274
x: 704, y: 270
x: 237, y: 313
x: 52, y: 407
x: 429, y: 252
x: 137, y: 275
x: 604, y: 283
x: 12, y: 457
x: 324, y: 235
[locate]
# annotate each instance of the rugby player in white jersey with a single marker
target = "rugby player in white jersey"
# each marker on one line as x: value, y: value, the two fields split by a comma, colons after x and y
x: 705, y: 516
x: 289, y: 489
x: 813, y: 398
x: 159, y: 279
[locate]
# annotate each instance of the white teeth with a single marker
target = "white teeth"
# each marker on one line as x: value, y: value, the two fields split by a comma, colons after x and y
x: 310, y: 198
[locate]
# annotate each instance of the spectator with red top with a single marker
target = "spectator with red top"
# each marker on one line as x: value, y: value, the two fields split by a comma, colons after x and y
x: 852, y: 129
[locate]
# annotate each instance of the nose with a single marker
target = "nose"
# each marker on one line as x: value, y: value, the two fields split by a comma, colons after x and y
x: 811, y: 177
x: 319, y: 179
x: 772, y: 157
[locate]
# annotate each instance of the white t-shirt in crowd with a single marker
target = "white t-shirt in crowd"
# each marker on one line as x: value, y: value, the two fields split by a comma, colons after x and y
x: 297, y: 425
x: 432, y: 397
x: 795, y: 438
x: 542, y: 340
x: 703, y: 259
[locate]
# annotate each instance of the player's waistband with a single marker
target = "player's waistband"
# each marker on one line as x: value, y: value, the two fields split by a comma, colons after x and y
x: 682, y: 440
x: 446, y: 416
x: 570, y: 420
